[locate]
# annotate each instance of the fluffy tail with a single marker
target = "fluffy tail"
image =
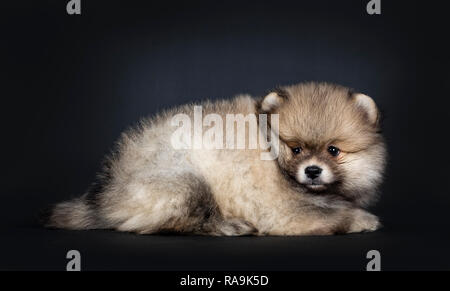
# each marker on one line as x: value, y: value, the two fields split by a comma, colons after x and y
x: 73, y: 214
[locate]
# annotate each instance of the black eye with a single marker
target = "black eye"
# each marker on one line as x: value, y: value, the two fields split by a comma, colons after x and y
x: 334, y: 151
x: 297, y: 150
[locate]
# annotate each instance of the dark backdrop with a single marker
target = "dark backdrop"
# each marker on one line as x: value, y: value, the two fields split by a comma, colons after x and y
x: 71, y: 84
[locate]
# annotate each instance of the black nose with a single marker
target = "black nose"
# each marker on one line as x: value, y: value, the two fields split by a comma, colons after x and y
x: 313, y: 171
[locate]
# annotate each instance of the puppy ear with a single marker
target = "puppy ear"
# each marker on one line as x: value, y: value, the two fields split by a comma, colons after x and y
x: 272, y: 101
x: 368, y: 105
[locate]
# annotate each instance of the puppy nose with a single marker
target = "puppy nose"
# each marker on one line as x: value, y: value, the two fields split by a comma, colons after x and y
x: 313, y: 171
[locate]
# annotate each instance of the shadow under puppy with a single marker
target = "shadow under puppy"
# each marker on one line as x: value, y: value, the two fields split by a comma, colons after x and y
x: 329, y: 163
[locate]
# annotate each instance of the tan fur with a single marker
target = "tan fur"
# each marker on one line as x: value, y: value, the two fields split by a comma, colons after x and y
x: 148, y: 187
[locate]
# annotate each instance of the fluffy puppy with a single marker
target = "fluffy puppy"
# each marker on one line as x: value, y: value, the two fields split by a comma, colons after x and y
x: 328, y: 158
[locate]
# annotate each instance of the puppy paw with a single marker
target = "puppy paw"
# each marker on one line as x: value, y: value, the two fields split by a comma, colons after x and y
x: 235, y: 227
x: 363, y: 221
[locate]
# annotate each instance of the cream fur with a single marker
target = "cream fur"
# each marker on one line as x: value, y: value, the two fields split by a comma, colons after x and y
x: 149, y: 187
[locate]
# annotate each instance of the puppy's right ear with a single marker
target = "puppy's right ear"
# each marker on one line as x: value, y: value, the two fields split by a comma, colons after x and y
x: 272, y: 101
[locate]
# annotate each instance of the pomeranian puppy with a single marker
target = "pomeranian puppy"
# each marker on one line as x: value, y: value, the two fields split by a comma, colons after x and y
x: 327, y: 157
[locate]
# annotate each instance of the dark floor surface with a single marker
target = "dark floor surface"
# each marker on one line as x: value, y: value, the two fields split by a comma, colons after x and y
x: 404, y: 245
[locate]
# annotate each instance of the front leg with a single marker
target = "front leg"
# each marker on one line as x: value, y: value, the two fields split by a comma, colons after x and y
x: 314, y: 220
x: 363, y: 221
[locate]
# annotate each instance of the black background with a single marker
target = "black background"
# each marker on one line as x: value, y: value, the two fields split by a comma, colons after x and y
x: 71, y: 84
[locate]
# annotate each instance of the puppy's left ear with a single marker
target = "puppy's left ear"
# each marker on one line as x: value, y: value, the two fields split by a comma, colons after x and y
x: 369, y: 107
x: 272, y: 101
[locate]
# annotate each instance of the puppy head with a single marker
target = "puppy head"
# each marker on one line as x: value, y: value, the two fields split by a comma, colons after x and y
x: 329, y: 139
